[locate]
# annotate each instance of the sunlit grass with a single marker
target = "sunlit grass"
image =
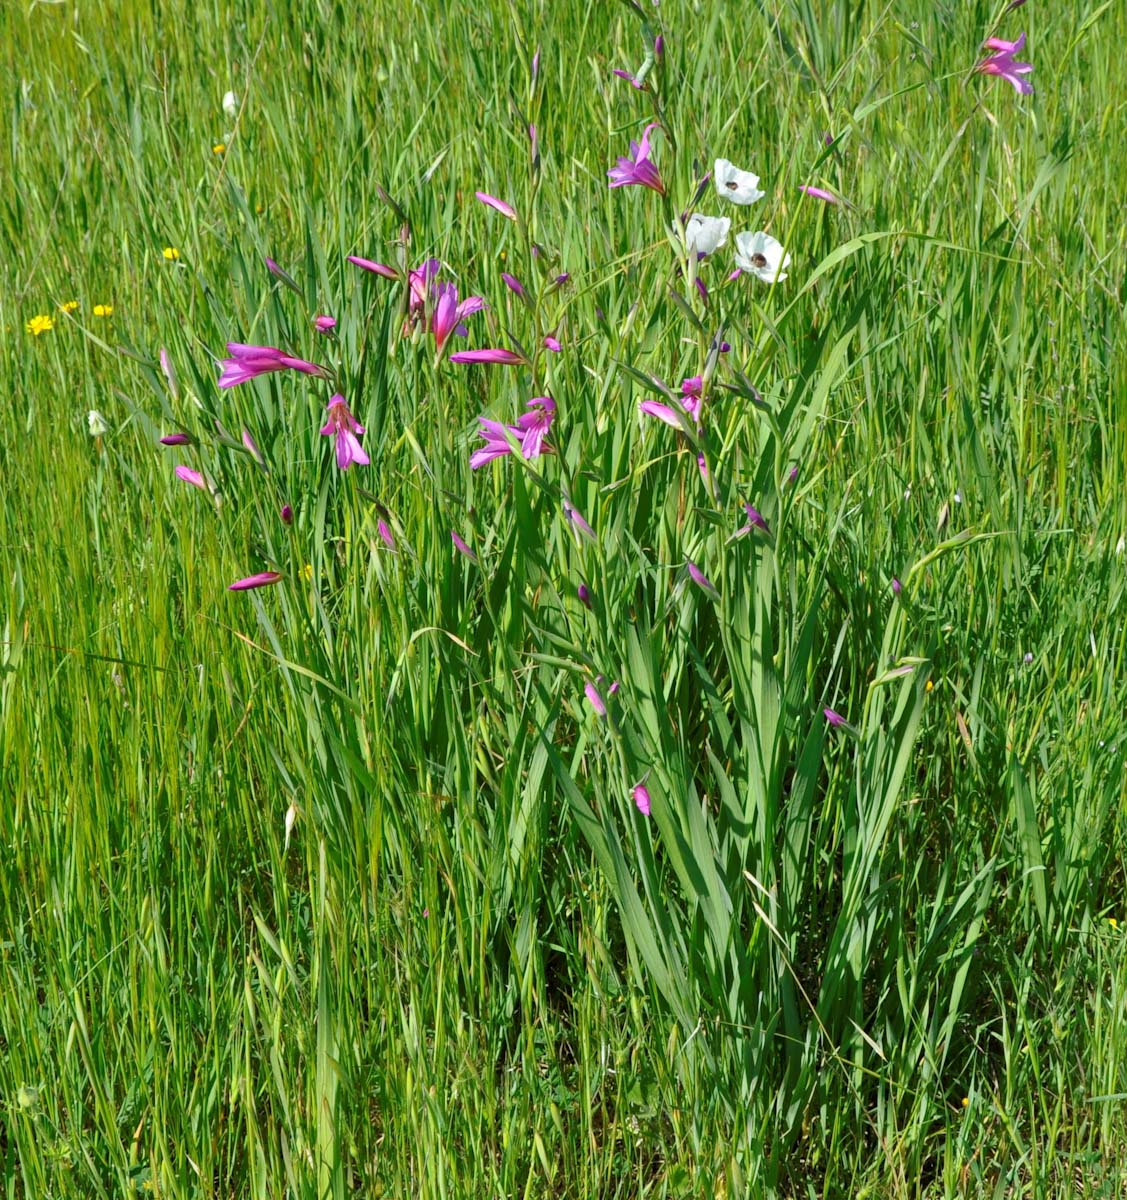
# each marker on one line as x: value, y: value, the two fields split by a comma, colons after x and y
x: 340, y: 886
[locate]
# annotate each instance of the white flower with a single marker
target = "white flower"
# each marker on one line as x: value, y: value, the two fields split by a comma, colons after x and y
x: 704, y: 234
x: 741, y: 187
x: 231, y: 105
x: 97, y: 423
x: 760, y: 255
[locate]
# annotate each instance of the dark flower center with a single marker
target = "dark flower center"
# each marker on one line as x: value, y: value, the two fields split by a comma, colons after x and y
x: 731, y: 185
x: 759, y: 260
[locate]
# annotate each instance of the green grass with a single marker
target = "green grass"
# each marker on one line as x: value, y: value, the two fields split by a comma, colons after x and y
x: 337, y: 887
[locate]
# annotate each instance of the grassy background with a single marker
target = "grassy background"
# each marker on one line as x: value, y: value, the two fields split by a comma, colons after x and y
x: 885, y: 965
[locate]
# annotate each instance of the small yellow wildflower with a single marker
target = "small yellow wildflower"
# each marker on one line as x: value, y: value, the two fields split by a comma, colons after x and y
x: 103, y: 310
x: 929, y: 686
x: 307, y: 572
x: 966, y: 1102
x: 38, y: 324
x: 171, y: 253
x: 1113, y: 922
x: 219, y: 148
x: 69, y: 306
x: 260, y: 209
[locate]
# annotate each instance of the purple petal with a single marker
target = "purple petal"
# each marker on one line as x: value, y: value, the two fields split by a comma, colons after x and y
x: 190, y: 476
x: 461, y: 546
x: 506, y: 210
x: 506, y: 357
x: 513, y: 284
x: 379, y: 268
x: 701, y: 580
x: 819, y: 194
x: 551, y: 343
x: 323, y: 323
x: 177, y: 439
x: 577, y: 521
x: 262, y: 579
x: 641, y: 797
x: 594, y: 699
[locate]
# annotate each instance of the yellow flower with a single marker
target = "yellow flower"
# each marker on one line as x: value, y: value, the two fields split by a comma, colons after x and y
x: 1113, y: 922
x: 307, y: 572
x: 218, y: 148
x: 966, y: 1102
x: 260, y: 209
x: 171, y: 253
x: 103, y: 310
x: 69, y: 306
x: 39, y: 324
x: 929, y: 686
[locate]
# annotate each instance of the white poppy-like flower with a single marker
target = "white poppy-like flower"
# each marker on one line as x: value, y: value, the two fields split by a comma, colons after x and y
x: 231, y: 105
x: 703, y: 235
x: 97, y: 423
x: 761, y: 255
x: 741, y: 187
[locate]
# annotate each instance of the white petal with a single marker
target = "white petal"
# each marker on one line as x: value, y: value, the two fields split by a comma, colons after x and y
x: 740, y: 187
x: 762, y: 256
x: 231, y: 105
x: 704, y: 235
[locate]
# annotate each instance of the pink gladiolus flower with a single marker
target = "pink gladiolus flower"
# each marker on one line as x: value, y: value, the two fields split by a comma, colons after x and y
x: 638, y: 168
x: 286, y: 515
x: 584, y: 594
x: 506, y: 210
x: 755, y: 520
x: 190, y: 476
x: 690, y: 402
x: 323, y: 324
x: 634, y: 82
x: 169, y: 372
x: 343, y: 426
x: 576, y: 518
x: 252, y: 448
x: 552, y: 343
x: 897, y: 586
x: 595, y: 699
x: 379, y: 268
x: 506, y: 357
x: 530, y: 430
x: 1004, y: 64
x: 248, y: 362
x: 419, y: 281
x: 462, y: 547
x: 701, y: 580
x: 448, y: 313
x: 262, y: 579
x: 819, y: 194
x: 513, y: 284
x: 177, y: 439
x: 641, y: 797
x: 659, y: 46
x: 835, y: 718
x: 384, y: 530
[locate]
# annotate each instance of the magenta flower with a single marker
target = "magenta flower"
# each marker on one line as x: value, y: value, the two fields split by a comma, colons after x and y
x: 529, y: 431
x: 384, y: 530
x: 819, y: 194
x: 286, y: 515
x: 506, y: 357
x: 262, y: 579
x: 448, y: 313
x: 701, y: 580
x: 177, y: 439
x: 190, y: 476
x: 513, y: 284
x: 641, y: 796
x: 419, y: 281
x: 755, y: 520
x: 506, y: 210
x: 835, y: 718
x: 1004, y: 64
x: 690, y: 401
x: 638, y: 168
x: 343, y: 426
x: 640, y: 84
x: 595, y: 699
x: 897, y: 586
x: 578, y: 523
x: 252, y: 448
x: 323, y: 324
x: 378, y: 268
x: 248, y: 362
x: 462, y: 547
x: 584, y: 594
x: 552, y: 343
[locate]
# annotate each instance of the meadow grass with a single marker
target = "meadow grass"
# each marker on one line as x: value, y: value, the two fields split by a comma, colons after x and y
x: 339, y: 886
